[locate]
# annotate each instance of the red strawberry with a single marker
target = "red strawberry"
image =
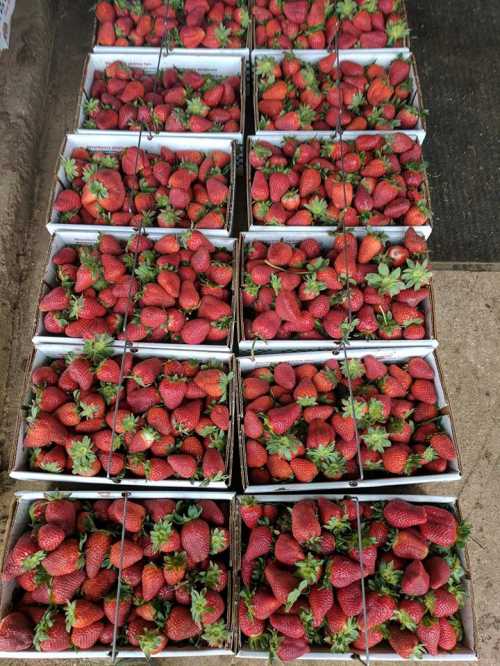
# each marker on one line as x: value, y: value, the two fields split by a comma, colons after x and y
x: 195, y: 538
x: 287, y: 550
x: 320, y: 602
x: 16, y: 632
x: 63, y: 560
x: 428, y: 632
x: 281, y: 582
x: 292, y: 648
x: 408, y: 544
x: 404, y: 642
x: 443, y: 445
x: 249, y: 625
x: 96, y: 548
x: 441, y: 603
x: 305, y: 523
x: 259, y: 542
x: 402, y: 514
x: 439, y: 571
x: 441, y: 526
x: 343, y: 571
x: 180, y: 625
x: 415, y: 580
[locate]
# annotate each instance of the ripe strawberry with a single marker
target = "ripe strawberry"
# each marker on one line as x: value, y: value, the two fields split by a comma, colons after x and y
x: 305, y: 523
x: 404, y: 642
x: 180, y: 625
x: 441, y: 527
x: 249, y: 625
x: 195, y: 538
x: 130, y: 513
x: 409, y: 544
x: 16, y: 632
x: 281, y: 582
x: 96, y: 548
x: 402, y: 514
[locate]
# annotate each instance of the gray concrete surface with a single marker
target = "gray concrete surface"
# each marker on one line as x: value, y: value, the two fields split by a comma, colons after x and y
x: 39, y: 79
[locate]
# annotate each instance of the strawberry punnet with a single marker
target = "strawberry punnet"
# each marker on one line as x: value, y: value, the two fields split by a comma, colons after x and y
x: 178, y: 100
x: 178, y: 24
x: 306, y: 431
x: 134, y: 188
x: 293, y: 95
x: 302, y: 592
x: 67, y: 599
x: 170, y: 418
x: 373, y: 181
x: 361, y: 288
x: 315, y: 24
x: 166, y: 290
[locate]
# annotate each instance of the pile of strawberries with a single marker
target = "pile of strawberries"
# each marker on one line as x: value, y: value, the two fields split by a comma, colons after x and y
x: 373, y: 181
x: 180, y: 100
x: 367, y: 288
x: 172, y: 564
x: 183, y: 188
x: 176, y: 289
x: 302, y: 568
x: 189, y: 24
x: 315, y: 24
x: 293, y: 95
x: 168, y: 419
x: 301, y: 425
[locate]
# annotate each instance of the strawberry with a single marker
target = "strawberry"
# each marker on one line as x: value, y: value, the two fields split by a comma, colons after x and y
x: 404, y: 642
x: 180, y: 625
x: 415, y: 580
x: 96, y: 548
x: 130, y: 513
x: 441, y: 527
x: 249, y: 625
x: 439, y: 571
x: 281, y: 582
x: 195, y: 538
x: 16, y: 632
x: 409, y: 544
x: 402, y: 514
x: 259, y: 543
x: 343, y: 571
x: 305, y: 523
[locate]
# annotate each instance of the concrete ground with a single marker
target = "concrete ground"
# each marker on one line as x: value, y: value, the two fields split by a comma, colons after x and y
x: 39, y: 79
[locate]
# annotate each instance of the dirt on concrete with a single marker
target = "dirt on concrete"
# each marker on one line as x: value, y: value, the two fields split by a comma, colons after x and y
x: 39, y: 80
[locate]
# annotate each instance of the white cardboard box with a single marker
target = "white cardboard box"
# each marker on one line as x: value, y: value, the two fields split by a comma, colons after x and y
x: 88, y: 237
x: 277, y: 140
x: 118, y: 141
x: 362, y: 56
x: 245, y: 364
x: 44, y: 353
x: 466, y: 653
x: 18, y: 519
x: 249, y: 346
x: 150, y: 62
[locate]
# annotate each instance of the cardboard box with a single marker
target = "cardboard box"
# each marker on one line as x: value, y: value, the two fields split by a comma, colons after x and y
x: 467, y: 652
x: 115, y: 142
x: 17, y: 522
x: 243, y: 52
x: 376, y: 480
x: 44, y: 353
x: 278, y: 140
x: 151, y: 63
x: 361, y: 56
x: 249, y: 346
x: 397, y: 51
x: 88, y: 237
